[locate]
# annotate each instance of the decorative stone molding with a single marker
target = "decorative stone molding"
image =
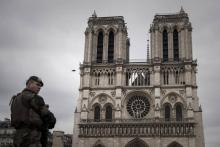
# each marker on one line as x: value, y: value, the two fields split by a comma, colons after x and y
x: 189, y: 107
x: 102, y: 99
x: 84, y: 108
x: 182, y: 92
x: 157, y: 107
x: 124, y: 91
x: 163, y: 91
x: 92, y: 94
x: 172, y: 99
x: 156, y: 128
x: 113, y: 93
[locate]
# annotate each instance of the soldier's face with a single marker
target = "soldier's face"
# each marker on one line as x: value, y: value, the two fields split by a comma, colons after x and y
x: 34, y: 86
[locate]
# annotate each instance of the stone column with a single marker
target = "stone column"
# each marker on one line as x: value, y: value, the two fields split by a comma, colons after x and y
x: 152, y: 47
x: 58, y: 139
x: 157, y: 90
x: 156, y: 43
x: 186, y: 43
x: 94, y: 48
x: 119, y: 49
x: 88, y: 45
x: 84, y: 104
x: 182, y: 44
x: 119, y: 75
x: 190, y: 43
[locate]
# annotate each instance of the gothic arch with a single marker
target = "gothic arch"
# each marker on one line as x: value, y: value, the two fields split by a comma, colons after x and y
x: 179, y: 111
x: 96, y: 100
x: 137, y: 142
x: 174, y: 144
x: 111, y: 28
x: 178, y: 96
x: 108, y: 104
x: 109, y: 111
x: 97, y: 112
x: 164, y: 27
x: 100, y: 28
x: 177, y: 27
x: 98, y: 144
x: 167, y: 111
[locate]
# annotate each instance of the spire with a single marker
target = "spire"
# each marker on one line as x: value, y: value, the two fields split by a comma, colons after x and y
x: 182, y: 10
x: 94, y: 14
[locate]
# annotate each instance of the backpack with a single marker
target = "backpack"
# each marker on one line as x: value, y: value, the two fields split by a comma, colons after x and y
x: 19, y: 113
x: 22, y: 114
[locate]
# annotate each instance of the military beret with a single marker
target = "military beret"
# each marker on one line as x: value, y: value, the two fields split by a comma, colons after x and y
x: 36, y: 79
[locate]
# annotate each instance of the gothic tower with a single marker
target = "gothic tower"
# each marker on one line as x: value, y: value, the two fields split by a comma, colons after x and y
x: 138, y: 104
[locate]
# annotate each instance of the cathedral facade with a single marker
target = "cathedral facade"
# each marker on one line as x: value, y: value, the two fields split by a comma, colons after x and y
x: 152, y: 103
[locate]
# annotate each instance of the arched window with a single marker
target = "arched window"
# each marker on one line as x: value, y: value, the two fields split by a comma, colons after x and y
x: 179, y: 113
x: 108, y: 113
x: 165, y: 45
x: 167, y: 113
x: 136, y: 143
x: 174, y: 144
x: 97, y: 113
x: 175, y: 45
x: 99, y: 145
x: 111, y: 47
x: 99, y: 47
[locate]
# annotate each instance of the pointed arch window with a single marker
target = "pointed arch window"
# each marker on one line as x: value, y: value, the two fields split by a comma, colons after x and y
x: 179, y: 114
x: 99, y: 145
x: 175, y: 45
x: 165, y: 45
x: 99, y: 47
x: 108, y: 113
x: 97, y: 113
x: 167, y: 112
x: 174, y: 144
x: 136, y: 143
x: 111, y: 47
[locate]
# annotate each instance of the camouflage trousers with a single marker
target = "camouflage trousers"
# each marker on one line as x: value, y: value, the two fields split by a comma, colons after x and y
x: 26, y: 137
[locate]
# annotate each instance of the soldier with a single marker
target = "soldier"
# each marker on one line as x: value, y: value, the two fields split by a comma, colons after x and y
x: 30, y: 115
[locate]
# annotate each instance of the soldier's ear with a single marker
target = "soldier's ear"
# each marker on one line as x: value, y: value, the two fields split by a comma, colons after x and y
x: 29, y: 82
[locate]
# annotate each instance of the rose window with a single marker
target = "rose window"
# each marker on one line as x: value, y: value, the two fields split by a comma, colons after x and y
x: 138, y: 106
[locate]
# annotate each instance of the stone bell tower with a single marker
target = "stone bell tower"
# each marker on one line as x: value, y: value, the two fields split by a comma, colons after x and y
x: 153, y: 103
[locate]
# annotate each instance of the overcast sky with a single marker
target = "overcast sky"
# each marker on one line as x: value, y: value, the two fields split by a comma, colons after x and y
x: 46, y: 38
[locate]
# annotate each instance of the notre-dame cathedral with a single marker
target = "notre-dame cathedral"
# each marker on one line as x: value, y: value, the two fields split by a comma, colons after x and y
x: 152, y: 103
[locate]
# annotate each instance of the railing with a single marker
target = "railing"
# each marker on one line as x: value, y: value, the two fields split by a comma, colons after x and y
x: 143, y: 128
x: 141, y: 120
x: 144, y: 61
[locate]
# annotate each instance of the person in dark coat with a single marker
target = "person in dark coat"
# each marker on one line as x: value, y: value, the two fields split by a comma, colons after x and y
x: 30, y: 115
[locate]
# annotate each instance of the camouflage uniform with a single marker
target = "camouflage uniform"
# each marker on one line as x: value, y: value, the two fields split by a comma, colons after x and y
x: 28, y: 109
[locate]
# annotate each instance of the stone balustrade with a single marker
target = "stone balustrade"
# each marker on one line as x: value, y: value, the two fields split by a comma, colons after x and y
x: 143, y: 128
